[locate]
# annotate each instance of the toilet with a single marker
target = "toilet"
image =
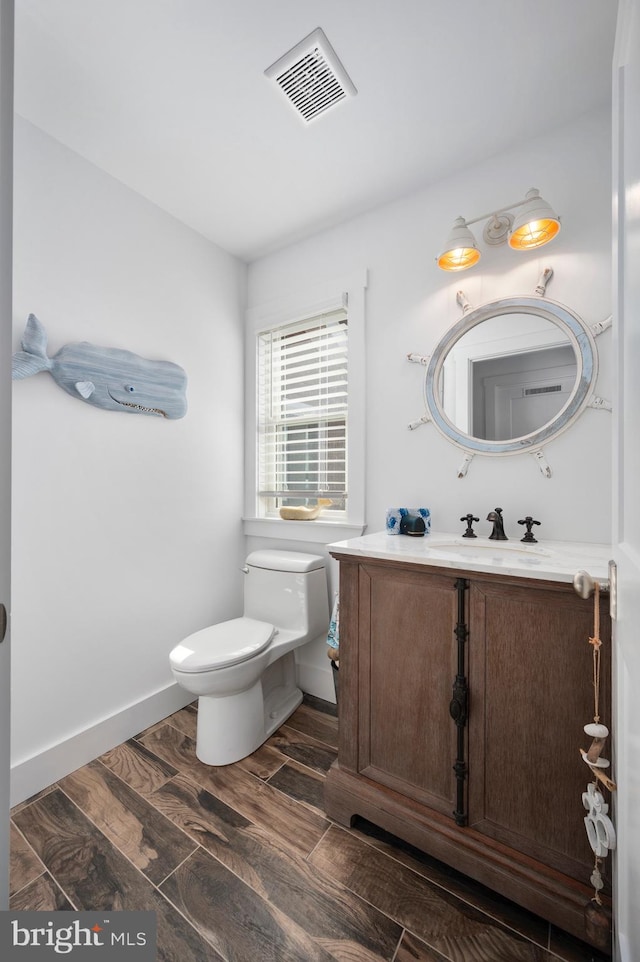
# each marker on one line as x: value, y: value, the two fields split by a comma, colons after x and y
x: 243, y: 671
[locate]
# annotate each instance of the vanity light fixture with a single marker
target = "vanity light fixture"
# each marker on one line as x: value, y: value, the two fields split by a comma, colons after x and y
x: 535, y: 225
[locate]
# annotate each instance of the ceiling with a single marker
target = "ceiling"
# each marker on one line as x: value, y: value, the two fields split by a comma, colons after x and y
x: 170, y: 98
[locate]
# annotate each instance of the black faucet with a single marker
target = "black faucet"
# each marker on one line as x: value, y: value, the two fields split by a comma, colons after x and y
x: 469, y: 532
x: 498, y: 525
x: 529, y: 521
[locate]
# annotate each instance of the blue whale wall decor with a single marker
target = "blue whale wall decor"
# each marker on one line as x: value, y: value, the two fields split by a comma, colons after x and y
x: 105, y: 377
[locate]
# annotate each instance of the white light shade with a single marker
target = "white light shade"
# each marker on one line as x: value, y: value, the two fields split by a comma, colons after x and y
x: 460, y: 251
x: 535, y: 225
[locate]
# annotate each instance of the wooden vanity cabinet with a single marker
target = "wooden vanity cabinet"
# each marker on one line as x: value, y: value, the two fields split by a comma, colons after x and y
x: 463, y: 698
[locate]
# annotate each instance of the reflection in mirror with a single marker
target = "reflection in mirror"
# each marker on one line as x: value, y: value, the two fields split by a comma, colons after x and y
x: 507, y: 377
x: 518, y: 395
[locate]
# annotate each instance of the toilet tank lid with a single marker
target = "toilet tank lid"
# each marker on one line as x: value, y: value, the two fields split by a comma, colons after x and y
x: 285, y: 560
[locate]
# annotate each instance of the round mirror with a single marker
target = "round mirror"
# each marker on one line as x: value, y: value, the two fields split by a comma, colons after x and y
x: 511, y: 375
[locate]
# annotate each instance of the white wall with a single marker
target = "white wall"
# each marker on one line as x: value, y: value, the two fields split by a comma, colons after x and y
x: 127, y: 532
x: 411, y: 303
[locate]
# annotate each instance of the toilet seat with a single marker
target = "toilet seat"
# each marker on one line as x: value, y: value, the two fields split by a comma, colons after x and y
x: 220, y: 646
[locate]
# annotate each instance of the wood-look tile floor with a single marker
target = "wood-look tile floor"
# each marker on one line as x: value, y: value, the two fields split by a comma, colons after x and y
x: 241, y: 864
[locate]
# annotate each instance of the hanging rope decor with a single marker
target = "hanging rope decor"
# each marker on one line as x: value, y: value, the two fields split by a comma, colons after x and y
x: 600, y: 830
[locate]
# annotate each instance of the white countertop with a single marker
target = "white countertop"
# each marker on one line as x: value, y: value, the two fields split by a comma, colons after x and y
x: 546, y: 560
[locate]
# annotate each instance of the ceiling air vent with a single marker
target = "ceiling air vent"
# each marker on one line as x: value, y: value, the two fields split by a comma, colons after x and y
x: 311, y: 77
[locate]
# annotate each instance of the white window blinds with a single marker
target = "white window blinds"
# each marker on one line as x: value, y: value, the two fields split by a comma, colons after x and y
x: 302, y: 412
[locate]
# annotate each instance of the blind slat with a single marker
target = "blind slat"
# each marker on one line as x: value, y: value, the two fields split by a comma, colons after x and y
x: 336, y: 492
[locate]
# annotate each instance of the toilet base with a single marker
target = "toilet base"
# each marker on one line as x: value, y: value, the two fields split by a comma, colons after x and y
x: 233, y: 726
x: 278, y: 707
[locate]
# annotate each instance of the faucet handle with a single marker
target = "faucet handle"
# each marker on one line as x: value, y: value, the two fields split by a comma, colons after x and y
x: 529, y: 521
x: 469, y: 532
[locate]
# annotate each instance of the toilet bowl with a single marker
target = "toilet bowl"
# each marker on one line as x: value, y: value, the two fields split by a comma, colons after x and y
x: 243, y: 670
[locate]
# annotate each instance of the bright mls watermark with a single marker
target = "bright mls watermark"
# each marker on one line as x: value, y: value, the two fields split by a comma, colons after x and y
x: 78, y: 936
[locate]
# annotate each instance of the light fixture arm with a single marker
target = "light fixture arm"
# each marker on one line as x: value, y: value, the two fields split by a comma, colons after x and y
x: 493, y: 213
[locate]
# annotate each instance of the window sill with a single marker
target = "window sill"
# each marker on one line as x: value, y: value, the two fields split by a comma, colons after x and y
x: 320, y: 532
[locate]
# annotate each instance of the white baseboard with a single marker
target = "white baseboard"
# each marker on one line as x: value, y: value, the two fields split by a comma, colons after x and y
x: 30, y: 776
x: 33, y: 774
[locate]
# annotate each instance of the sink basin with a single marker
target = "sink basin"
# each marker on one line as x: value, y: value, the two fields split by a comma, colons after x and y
x: 502, y: 552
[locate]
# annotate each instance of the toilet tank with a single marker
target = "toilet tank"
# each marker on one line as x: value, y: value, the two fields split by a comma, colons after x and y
x: 287, y: 589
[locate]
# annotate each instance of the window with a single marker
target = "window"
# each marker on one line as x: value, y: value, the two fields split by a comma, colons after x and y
x: 302, y: 382
x: 306, y: 440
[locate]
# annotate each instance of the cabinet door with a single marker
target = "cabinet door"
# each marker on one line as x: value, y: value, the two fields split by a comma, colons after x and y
x: 531, y: 683
x: 406, y: 668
